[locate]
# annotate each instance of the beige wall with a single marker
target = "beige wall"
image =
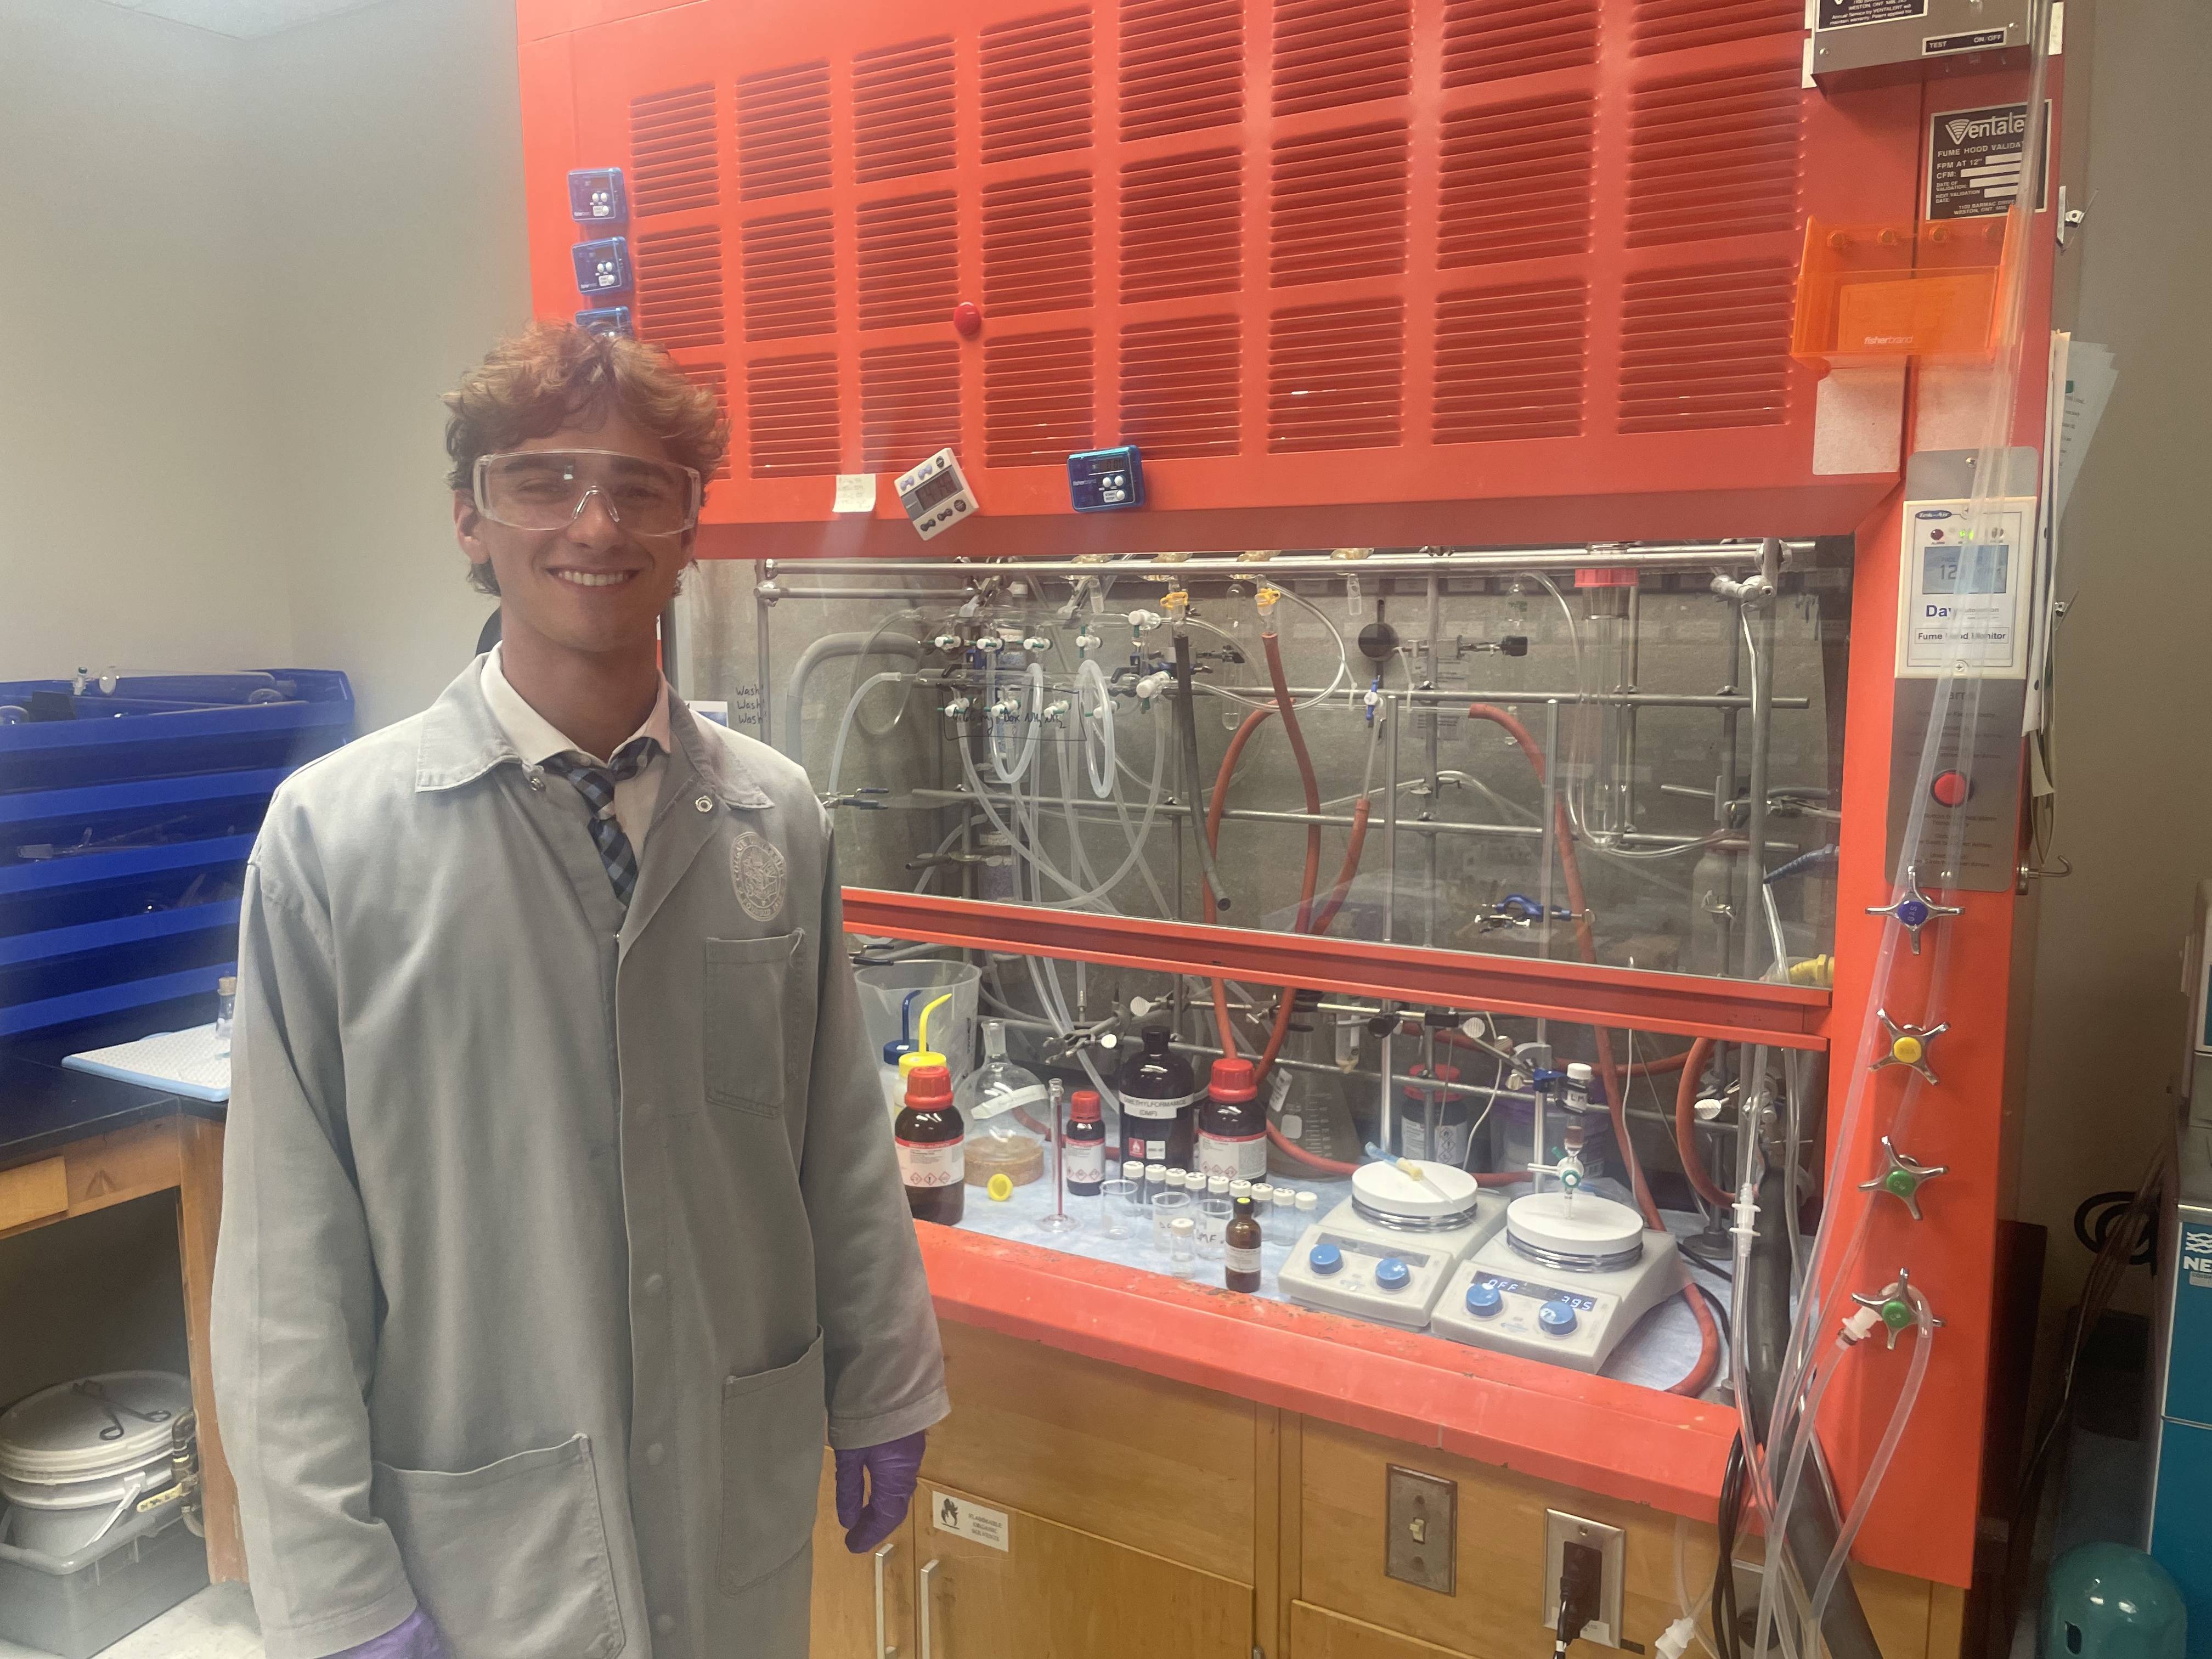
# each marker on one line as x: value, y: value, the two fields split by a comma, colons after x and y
x: 391, y: 213
x: 129, y: 531
x: 2134, y: 654
x: 221, y: 442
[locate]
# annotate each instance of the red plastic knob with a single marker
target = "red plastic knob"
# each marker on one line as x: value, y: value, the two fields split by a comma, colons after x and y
x: 966, y: 319
x: 1951, y: 789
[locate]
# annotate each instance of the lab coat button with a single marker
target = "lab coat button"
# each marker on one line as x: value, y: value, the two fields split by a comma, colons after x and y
x: 705, y: 804
x: 654, y: 1283
x: 655, y: 1452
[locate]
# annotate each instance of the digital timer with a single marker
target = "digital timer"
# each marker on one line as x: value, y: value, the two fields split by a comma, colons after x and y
x: 936, y: 495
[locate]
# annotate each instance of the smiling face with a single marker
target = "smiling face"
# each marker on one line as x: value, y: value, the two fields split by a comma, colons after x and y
x: 593, y: 586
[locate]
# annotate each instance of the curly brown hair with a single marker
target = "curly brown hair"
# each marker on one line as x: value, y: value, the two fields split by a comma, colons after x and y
x: 550, y: 374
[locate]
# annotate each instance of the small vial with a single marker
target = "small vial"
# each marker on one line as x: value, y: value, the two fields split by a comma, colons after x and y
x: 1263, y: 1207
x: 1240, y: 1189
x: 1176, y: 1179
x: 1156, y: 1180
x: 226, y: 1008
x: 1183, y: 1247
x: 1309, y: 1212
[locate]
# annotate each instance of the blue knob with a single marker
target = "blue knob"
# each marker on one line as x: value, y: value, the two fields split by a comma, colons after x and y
x: 1556, y: 1319
x: 1912, y: 912
x: 1325, y: 1259
x: 1392, y: 1275
x: 1484, y: 1299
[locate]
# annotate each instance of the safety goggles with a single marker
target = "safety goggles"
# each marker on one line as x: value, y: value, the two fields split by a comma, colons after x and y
x: 546, y: 490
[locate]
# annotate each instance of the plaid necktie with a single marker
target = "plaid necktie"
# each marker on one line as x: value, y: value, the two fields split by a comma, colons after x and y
x: 596, y: 784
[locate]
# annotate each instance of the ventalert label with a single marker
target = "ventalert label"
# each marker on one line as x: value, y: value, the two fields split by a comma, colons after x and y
x: 1974, y: 158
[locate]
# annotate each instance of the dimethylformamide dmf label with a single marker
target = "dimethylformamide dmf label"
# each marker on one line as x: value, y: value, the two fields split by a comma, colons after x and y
x: 1974, y: 159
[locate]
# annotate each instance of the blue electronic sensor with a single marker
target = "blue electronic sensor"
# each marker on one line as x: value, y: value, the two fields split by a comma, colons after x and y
x: 596, y: 196
x: 1106, y: 480
x: 602, y: 267
x: 606, y: 320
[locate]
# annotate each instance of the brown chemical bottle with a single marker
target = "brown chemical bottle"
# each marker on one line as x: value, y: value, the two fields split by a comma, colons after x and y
x: 1241, y: 1248
x: 1232, y: 1125
x: 932, y: 1147
x: 1083, y: 1148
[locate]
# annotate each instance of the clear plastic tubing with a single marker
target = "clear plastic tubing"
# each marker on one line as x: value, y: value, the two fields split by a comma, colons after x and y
x: 1032, y: 719
x: 852, y: 710
x: 1900, y: 1415
x: 1098, y: 755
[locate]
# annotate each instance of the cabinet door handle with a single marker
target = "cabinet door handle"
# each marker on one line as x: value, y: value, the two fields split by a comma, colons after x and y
x: 884, y: 1649
x: 928, y: 1584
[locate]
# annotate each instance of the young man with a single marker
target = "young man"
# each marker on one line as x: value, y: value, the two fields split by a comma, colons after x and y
x: 560, y: 1221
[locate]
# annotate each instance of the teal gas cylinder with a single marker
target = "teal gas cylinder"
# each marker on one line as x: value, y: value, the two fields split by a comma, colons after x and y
x: 2108, y: 1601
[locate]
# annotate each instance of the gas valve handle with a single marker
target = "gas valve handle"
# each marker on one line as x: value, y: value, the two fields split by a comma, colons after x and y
x: 1903, y: 1176
x: 1913, y: 910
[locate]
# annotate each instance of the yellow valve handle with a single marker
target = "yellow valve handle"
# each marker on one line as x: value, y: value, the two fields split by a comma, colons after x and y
x: 1176, y: 599
x: 1267, y: 597
x: 1907, y: 1051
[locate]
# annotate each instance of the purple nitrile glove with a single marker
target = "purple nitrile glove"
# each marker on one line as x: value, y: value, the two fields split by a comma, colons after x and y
x: 892, y: 1469
x: 416, y: 1638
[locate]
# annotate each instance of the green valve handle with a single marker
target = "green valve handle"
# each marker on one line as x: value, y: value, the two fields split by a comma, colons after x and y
x: 1893, y: 1306
x: 1903, y: 1177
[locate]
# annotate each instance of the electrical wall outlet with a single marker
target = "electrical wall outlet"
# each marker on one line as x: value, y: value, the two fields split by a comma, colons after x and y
x: 1561, y: 1531
x: 1422, y: 1544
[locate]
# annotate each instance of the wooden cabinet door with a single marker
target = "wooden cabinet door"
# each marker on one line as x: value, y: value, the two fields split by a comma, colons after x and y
x: 1055, y: 1593
x: 844, y: 1604
x: 1316, y: 1633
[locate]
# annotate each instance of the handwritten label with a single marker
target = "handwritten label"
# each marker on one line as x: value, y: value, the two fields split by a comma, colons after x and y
x: 856, y: 493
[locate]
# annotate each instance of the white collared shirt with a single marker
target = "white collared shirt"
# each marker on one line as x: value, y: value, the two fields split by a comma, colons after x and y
x: 536, y: 740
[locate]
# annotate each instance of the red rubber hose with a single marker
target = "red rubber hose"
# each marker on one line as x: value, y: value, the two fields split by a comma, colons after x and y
x: 1709, y: 1336
x: 1685, y: 1125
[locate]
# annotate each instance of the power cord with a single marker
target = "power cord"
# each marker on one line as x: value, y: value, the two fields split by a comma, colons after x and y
x: 1581, y: 1584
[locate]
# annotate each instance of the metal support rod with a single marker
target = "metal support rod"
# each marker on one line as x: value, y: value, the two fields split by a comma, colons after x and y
x: 761, y: 663
x: 1646, y: 556
x: 1627, y: 766
x: 1762, y: 744
x: 1430, y: 897
x: 1331, y: 820
x: 1548, y: 830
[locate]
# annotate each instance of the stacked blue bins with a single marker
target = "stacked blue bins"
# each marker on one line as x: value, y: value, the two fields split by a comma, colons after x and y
x: 125, y: 819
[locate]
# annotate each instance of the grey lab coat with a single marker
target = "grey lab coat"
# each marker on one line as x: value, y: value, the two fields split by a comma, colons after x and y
x: 551, y: 1235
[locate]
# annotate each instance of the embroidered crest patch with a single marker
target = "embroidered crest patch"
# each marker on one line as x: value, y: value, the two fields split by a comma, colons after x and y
x: 756, y: 871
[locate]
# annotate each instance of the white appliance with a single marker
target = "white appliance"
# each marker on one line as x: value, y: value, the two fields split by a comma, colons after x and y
x: 1386, y: 1253
x: 1564, y: 1280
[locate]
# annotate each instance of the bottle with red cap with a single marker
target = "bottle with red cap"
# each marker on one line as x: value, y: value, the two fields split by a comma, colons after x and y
x: 1082, y: 1144
x: 932, y: 1147
x: 1232, y: 1125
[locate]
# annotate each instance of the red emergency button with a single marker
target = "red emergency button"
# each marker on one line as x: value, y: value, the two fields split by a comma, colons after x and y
x: 1951, y: 789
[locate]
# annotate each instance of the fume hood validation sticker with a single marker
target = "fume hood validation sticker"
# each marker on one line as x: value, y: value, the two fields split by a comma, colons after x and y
x: 1974, y: 158
x: 1849, y: 14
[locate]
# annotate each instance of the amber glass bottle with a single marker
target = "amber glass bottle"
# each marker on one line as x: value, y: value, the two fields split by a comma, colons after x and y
x: 1241, y: 1248
x: 932, y: 1147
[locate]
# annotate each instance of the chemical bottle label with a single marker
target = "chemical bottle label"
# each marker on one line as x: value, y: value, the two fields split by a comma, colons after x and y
x: 1241, y: 1261
x: 932, y: 1163
x: 1084, y: 1163
x: 1451, y: 1141
x: 1245, y: 1158
x: 1143, y: 1106
x: 1151, y: 1150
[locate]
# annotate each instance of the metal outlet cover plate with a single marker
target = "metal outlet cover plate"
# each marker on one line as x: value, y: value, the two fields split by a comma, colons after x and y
x: 1421, y: 1530
x: 1561, y: 1529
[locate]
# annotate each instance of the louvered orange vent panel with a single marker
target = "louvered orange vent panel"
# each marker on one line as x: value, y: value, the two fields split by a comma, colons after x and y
x: 1345, y: 271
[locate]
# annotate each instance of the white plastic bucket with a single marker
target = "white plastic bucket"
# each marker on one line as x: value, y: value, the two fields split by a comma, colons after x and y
x: 75, y: 1459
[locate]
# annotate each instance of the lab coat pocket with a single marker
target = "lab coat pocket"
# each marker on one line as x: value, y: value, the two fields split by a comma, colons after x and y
x: 773, y: 1424
x: 510, y: 1559
x: 746, y: 1003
